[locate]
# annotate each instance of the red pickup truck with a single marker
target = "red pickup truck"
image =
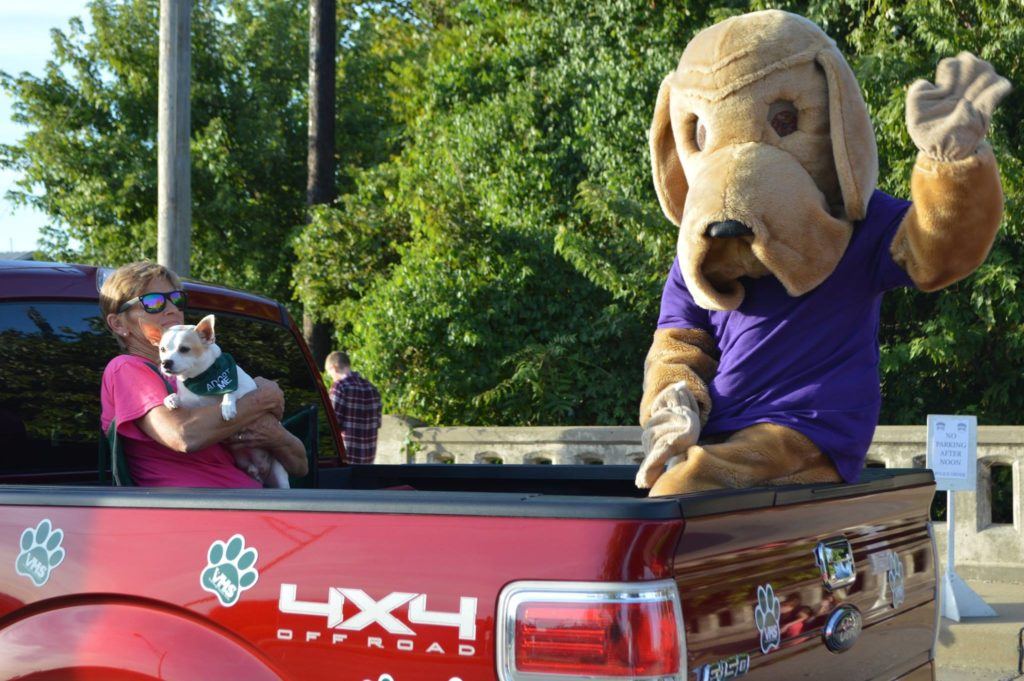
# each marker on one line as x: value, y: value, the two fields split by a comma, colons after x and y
x: 417, y: 572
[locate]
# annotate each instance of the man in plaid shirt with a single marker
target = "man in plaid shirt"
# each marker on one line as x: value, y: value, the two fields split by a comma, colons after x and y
x: 357, y: 408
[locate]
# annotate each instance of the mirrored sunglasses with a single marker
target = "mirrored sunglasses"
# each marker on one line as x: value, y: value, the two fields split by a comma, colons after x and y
x: 156, y: 302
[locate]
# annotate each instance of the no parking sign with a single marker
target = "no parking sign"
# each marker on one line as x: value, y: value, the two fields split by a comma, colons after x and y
x: 953, y: 456
x: 953, y: 451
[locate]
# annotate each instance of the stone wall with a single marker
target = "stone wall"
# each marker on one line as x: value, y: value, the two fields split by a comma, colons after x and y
x: 984, y: 550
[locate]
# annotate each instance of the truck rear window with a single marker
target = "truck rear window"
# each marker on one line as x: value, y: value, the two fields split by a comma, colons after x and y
x: 52, y: 356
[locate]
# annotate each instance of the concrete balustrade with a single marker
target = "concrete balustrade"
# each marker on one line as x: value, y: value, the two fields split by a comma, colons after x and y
x: 984, y: 550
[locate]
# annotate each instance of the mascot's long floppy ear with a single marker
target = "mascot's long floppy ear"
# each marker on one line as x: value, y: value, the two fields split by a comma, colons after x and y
x: 666, y: 168
x: 853, y: 138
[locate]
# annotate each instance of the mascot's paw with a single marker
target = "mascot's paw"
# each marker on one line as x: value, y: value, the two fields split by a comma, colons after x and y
x: 674, y: 426
x: 949, y: 119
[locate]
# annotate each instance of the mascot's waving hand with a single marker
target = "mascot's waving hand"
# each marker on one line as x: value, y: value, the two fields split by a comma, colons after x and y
x: 764, y: 367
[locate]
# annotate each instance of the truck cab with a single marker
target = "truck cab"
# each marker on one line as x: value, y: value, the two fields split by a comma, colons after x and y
x: 54, y: 346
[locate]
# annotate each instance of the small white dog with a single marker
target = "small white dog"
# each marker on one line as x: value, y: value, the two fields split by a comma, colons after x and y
x: 205, y: 375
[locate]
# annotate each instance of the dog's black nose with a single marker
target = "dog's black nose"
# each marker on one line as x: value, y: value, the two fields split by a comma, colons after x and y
x: 167, y: 364
x: 727, y: 229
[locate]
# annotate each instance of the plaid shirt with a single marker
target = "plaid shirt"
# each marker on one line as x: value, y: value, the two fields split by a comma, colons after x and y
x: 357, y: 408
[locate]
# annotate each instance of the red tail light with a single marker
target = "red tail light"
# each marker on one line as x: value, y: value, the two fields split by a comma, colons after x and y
x: 592, y: 630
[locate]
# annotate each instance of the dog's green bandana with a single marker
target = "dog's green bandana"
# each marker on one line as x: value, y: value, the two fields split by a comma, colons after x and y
x: 219, y: 379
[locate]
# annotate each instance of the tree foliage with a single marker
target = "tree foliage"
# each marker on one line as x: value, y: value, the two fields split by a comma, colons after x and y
x: 89, y: 158
x: 478, y: 319
x: 497, y: 253
x: 527, y: 250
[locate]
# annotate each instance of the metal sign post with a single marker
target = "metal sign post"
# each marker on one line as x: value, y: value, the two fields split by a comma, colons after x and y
x: 952, y: 456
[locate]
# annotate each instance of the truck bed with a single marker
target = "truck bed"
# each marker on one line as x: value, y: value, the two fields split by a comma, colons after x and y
x: 449, y: 536
x: 443, y: 489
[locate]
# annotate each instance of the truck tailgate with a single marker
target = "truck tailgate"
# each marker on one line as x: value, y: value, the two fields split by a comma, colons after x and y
x: 755, y: 603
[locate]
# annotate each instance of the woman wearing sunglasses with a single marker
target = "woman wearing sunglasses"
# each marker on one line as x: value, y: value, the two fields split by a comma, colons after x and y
x: 180, y: 447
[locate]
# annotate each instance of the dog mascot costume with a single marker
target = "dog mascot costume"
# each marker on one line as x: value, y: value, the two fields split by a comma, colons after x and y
x: 764, y: 366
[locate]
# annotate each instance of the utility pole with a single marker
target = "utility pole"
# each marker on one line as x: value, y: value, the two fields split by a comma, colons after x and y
x: 320, y: 187
x: 174, y: 185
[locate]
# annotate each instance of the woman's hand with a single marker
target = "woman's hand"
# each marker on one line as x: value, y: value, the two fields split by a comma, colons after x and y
x: 270, y: 396
x: 267, y: 433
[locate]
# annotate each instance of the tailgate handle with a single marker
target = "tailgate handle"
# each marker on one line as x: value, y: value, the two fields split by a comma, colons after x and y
x: 835, y: 559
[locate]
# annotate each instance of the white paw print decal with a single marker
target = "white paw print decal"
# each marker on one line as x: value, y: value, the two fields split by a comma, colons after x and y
x: 388, y: 677
x: 895, y: 579
x: 40, y: 553
x: 766, y: 617
x: 230, y: 570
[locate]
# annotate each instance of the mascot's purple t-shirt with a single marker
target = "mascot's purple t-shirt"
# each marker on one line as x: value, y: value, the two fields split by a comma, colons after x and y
x: 811, y: 362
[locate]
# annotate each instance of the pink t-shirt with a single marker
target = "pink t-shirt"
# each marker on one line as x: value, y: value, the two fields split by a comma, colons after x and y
x: 129, y: 390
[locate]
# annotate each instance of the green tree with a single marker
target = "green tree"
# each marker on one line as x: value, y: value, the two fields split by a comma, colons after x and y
x: 486, y: 311
x: 345, y: 246
x: 497, y: 253
x: 88, y: 159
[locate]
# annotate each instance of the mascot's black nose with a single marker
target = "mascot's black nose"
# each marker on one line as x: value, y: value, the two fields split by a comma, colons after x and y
x: 727, y: 228
x: 168, y: 364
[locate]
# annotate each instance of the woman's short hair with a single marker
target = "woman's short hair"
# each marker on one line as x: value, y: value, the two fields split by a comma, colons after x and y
x: 131, y: 280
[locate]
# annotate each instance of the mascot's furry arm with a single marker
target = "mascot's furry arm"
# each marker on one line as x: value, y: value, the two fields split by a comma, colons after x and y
x: 957, y: 198
x: 679, y: 355
x: 680, y: 363
x: 677, y: 371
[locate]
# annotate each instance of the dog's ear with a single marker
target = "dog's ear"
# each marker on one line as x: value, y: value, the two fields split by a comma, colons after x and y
x: 853, y: 138
x: 153, y: 332
x: 666, y: 168
x: 205, y: 329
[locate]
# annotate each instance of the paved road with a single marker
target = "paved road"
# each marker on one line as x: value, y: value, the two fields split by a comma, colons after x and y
x: 983, y: 648
x: 976, y: 675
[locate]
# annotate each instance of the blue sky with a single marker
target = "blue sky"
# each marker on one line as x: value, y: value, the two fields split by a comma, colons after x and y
x: 25, y: 46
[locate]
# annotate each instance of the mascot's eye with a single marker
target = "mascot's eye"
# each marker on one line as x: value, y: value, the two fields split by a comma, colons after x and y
x: 783, y: 118
x: 700, y: 136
